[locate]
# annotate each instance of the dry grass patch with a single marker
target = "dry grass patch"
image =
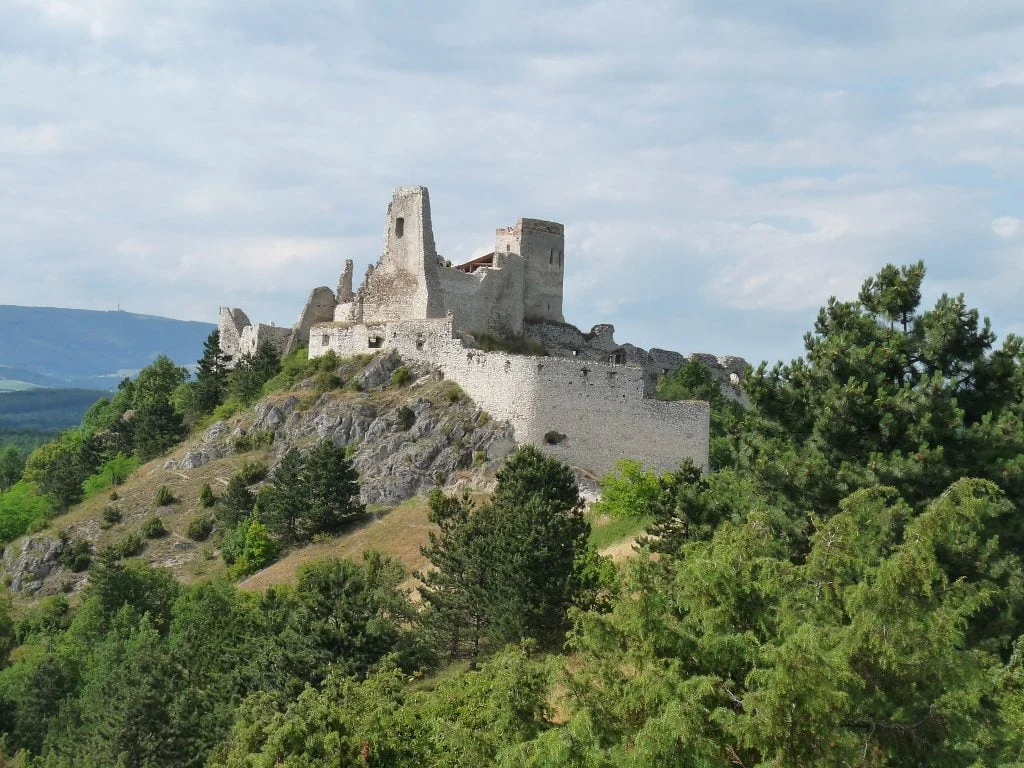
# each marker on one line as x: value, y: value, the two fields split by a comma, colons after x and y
x: 398, y: 533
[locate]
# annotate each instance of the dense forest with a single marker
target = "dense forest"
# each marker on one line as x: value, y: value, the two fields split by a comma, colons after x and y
x: 844, y: 588
x: 45, y: 410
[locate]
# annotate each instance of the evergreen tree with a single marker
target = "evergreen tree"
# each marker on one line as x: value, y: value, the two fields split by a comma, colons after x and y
x: 210, y: 384
x: 236, y: 503
x: 457, y: 588
x: 510, y: 569
x: 156, y: 425
x: 284, y: 503
x: 332, y: 486
x: 12, y: 464
x: 246, y: 380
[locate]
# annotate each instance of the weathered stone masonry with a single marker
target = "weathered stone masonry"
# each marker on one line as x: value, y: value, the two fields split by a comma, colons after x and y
x: 589, y: 403
x: 600, y: 409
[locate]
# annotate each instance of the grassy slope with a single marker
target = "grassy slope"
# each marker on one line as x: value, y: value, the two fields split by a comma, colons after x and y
x: 398, y: 533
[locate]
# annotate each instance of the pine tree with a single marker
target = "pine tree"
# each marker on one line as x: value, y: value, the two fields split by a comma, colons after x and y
x: 332, y: 488
x: 507, y: 570
x: 236, y: 503
x: 12, y: 464
x: 284, y: 503
x: 211, y: 375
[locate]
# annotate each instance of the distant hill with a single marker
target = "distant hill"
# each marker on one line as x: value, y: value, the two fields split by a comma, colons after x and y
x: 80, y: 348
x: 45, y: 410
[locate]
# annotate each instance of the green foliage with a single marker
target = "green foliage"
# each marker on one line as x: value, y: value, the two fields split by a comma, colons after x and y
x: 157, y: 425
x: 327, y: 371
x: 690, y: 381
x: 405, y: 417
x: 311, y: 493
x: 252, y: 472
x: 628, y: 491
x: 164, y: 496
x: 129, y: 545
x: 400, y: 376
x: 452, y: 392
x: 12, y: 465
x: 252, y: 372
x: 200, y: 527
x: 113, y: 472
x: 248, y: 547
x: 21, y: 508
x: 210, y: 386
x: 508, y: 570
x: 76, y: 554
x: 111, y: 515
x: 236, y: 503
x: 153, y: 528
x: 261, y: 438
x: 206, y: 497
x: 512, y: 343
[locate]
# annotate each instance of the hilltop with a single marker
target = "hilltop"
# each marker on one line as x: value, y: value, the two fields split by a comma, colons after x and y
x: 80, y: 348
x: 407, y: 434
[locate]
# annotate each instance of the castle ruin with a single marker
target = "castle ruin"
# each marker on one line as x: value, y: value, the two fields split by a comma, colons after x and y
x: 589, y: 401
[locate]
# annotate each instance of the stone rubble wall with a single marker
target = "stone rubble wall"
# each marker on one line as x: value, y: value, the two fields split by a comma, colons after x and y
x: 319, y: 309
x: 600, y: 409
x: 565, y: 340
x: 489, y: 300
x: 255, y: 335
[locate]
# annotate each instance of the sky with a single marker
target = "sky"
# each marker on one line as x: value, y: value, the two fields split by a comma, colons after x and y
x: 722, y: 167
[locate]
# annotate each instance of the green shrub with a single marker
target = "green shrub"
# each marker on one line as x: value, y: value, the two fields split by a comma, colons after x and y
x: 354, y: 385
x: 112, y: 473
x: 200, y: 528
x: 252, y: 472
x: 227, y: 409
x: 479, y: 458
x: 628, y: 491
x: 114, y: 496
x: 327, y: 382
x: 260, y: 438
x: 21, y: 509
x: 153, y: 528
x: 405, y: 418
x: 111, y: 515
x: 248, y: 547
x: 164, y: 497
x: 76, y: 555
x: 401, y: 377
x: 452, y: 392
x: 129, y: 545
x: 206, y: 497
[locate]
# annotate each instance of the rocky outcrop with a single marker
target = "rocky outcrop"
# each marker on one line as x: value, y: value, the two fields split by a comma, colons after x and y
x: 30, y: 564
x: 402, y: 445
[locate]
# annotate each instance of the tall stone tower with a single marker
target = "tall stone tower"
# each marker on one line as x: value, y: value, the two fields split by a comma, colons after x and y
x: 542, y: 244
x: 405, y: 284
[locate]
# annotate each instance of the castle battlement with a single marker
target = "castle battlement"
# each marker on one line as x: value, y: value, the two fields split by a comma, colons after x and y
x: 590, y: 402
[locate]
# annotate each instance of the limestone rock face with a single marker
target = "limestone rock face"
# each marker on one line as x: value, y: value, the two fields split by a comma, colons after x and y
x: 28, y: 566
x: 401, y: 446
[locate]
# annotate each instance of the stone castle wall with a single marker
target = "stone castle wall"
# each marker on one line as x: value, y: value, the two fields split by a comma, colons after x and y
x: 600, y: 409
x: 489, y: 300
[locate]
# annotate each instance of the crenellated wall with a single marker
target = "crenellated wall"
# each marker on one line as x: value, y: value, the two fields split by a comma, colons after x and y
x: 600, y: 409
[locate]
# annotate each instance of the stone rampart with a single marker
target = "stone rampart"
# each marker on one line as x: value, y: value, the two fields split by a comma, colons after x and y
x: 587, y: 414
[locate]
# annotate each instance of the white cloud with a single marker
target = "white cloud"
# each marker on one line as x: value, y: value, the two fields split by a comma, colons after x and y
x: 708, y: 159
x: 1006, y: 226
